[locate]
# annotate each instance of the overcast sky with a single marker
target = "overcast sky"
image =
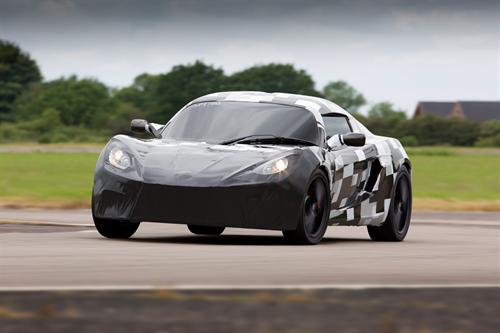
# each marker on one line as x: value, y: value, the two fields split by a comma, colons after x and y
x: 398, y: 51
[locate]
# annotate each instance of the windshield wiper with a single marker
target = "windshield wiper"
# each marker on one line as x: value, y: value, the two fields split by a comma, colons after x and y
x: 247, y: 138
x: 268, y: 139
x: 287, y: 140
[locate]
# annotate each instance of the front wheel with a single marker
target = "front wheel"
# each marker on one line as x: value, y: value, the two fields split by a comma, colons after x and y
x: 115, y: 228
x: 314, y: 213
x: 395, y: 227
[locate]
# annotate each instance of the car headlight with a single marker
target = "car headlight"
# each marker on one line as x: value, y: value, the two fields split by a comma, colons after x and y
x: 272, y: 167
x: 118, y: 158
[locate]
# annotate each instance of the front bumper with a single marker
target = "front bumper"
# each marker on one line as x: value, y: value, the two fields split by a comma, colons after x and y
x: 272, y: 205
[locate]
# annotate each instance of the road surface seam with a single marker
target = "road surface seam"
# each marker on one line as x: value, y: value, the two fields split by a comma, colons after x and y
x: 45, y: 223
x: 247, y: 287
x: 418, y: 221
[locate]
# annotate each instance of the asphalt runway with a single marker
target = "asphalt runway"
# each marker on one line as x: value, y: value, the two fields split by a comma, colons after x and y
x: 59, y: 249
x: 420, y: 310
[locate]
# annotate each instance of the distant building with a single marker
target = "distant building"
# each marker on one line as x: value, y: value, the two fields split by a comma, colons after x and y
x: 470, y: 110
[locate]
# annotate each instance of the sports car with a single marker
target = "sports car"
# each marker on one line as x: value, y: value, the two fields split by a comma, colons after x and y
x: 254, y: 160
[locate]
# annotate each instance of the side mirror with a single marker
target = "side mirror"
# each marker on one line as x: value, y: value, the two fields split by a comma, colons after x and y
x: 142, y: 126
x: 354, y: 139
x: 349, y: 139
x: 139, y: 126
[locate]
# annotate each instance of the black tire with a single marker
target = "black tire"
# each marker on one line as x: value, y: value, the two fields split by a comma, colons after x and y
x: 115, y: 228
x: 314, y: 212
x: 395, y: 227
x: 205, y: 230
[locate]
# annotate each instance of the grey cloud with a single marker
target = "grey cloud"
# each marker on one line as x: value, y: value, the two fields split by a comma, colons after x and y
x: 391, y: 50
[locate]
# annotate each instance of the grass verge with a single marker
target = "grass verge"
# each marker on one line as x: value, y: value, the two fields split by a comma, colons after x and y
x: 53, y: 180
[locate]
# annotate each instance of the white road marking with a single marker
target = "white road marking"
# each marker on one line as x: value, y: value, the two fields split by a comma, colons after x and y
x: 45, y: 223
x: 423, y: 221
x: 457, y: 222
x: 247, y: 287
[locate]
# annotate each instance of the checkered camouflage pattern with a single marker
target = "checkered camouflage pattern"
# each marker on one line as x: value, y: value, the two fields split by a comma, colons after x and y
x: 361, y: 178
x: 363, y: 182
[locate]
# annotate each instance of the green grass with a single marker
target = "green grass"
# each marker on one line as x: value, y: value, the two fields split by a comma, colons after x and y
x: 456, y: 176
x: 47, y: 176
x: 31, y: 179
x: 430, y: 151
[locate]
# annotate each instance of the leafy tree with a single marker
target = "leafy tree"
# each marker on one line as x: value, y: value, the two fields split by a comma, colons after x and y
x: 273, y: 78
x: 490, y: 128
x: 161, y: 96
x: 433, y: 130
x: 409, y: 141
x: 119, y: 120
x: 386, y: 110
x: 48, y: 126
x: 171, y: 91
x: 343, y: 94
x: 360, y: 117
x: 384, y: 119
x: 11, y: 132
x: 85, y: 102
x: 141, y: 93
x: 17, y: 72
x: 490, y: 134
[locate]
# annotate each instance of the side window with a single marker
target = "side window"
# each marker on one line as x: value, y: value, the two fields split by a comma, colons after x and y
x: 335, y: 124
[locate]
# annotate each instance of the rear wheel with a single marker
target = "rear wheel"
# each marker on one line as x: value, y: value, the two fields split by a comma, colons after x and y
x: 396, y: 225
x: 314, y: 212
x: 115, y: 228
x: 205, y: 230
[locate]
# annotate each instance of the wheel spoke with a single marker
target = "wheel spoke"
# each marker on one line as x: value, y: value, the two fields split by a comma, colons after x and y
x: 403, y: 191
x: 314, y: 206
x: 401, y: 212
x: 319, y: 193
x: 404, y: 207
x: 397, y: 216
x: 310, y: 222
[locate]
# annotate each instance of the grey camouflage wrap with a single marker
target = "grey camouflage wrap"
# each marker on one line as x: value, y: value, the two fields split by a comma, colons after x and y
x: 361, y: 178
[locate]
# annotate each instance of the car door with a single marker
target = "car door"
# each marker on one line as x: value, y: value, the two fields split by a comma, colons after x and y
x: 350, y: 164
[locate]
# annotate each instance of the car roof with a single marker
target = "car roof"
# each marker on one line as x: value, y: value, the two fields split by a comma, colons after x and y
x: 318, y: 106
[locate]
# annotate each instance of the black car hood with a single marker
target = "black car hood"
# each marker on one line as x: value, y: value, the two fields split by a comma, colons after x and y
x: 195, y: 164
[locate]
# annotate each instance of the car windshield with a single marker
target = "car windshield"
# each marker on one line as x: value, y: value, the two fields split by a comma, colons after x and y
x: 216, y: 122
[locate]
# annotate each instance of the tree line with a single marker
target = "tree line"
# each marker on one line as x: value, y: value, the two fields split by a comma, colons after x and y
x: 86, y: 110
